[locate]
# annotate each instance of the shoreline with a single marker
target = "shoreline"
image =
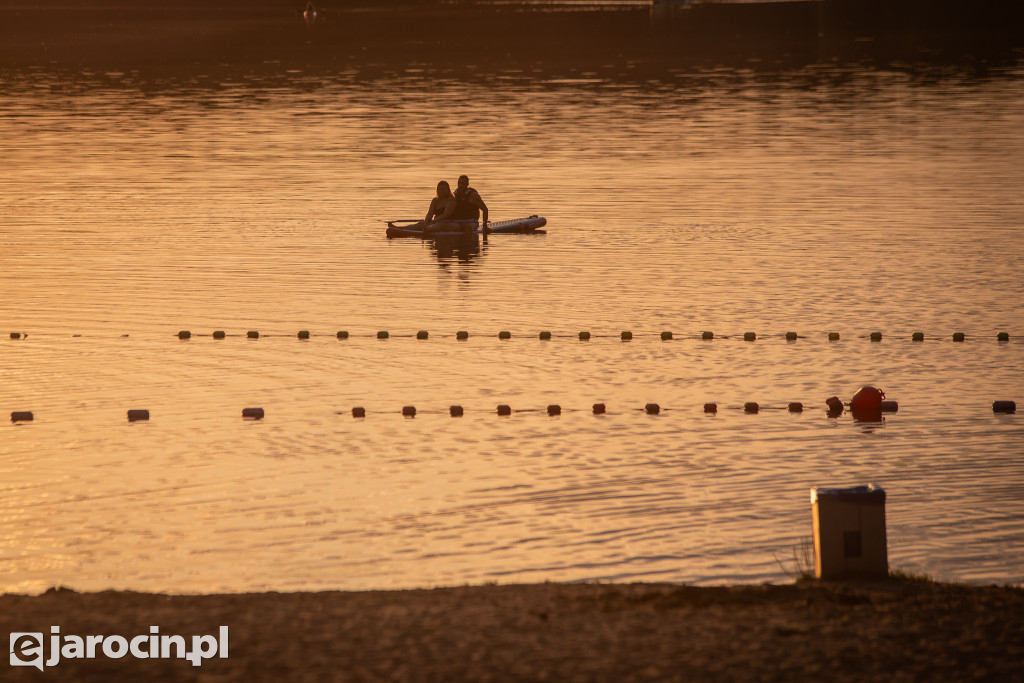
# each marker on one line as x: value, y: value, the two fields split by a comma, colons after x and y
x: 896, y: 629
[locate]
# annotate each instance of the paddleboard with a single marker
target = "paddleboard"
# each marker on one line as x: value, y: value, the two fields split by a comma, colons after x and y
x: 529, y: 225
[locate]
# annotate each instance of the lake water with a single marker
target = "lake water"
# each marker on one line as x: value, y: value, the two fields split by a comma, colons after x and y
x: 683, y: 194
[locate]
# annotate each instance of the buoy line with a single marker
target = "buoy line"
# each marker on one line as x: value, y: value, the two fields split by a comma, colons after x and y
x: 547, y: 335
x: 868, y: 404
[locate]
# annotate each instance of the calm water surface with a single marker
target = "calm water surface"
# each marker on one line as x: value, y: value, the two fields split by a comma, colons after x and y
x: 825, y: 197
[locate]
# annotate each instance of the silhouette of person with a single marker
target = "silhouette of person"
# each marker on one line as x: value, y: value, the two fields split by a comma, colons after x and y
x: 439, y: 215
x: 468, y: 203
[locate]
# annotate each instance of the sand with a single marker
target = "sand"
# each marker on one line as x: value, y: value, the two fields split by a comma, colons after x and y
x: 829, y: 631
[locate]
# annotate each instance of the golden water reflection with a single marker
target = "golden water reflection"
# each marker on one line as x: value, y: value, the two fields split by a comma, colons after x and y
x: 136, y: 203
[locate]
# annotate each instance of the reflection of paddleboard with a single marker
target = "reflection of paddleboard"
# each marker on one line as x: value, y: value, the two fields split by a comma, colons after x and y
x: 528, y: 226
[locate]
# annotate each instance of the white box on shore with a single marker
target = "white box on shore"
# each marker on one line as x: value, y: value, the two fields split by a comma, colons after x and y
x: 849, y: 532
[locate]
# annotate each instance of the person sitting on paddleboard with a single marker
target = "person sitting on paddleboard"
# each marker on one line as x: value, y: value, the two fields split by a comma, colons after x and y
x: 439, y: 215
x: 468, y: 203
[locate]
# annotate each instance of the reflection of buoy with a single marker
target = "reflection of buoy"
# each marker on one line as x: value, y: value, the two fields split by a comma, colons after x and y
x: 749, y: 336
x: 707, y: 335
x: 219, y: 334
x: 554, y: 409
x: 342, y: 334
x: 751, y: 407
x: 545, y: 335
x: 791, y: 336
x: 958, y: 336
x: 796, y: 407
x: 254, y: 413
x: 409, y: 411
x: 652, y: 408
x: 917, y: 336
x: 710, y: 407
x: 584, y: 336
x: 504, y: 334
x: 252, y: 334
x: 422, y: 334
x: 358, y: 412
x: 835, y: 405
x: 455, y: 411
x: 462, y: 335
x: 1003, y: 336
x: 303, y: 334
x: 1004, y: 406
x: 626, y: 336
x: 833, y: 336
x: 136, y: 415
x: 383, y: 334
x: 868, y: 399
x: 22, y: 416
x: 890, y: 406
x: 876, y: 336
x: 184, y: 334
x: 504, y: 410
x: 599, y: 409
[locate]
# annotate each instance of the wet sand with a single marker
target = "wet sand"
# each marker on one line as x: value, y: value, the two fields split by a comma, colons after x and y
x: 891, y: 631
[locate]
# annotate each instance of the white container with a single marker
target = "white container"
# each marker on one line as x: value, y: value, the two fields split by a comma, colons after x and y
x: 849, y: 532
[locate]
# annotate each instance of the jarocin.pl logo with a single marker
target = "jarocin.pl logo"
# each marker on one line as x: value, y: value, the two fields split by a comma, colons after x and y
x: 27, y: 648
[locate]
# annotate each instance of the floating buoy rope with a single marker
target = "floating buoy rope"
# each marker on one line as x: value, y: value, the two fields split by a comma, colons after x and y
x: 546, y: 335
x: 867, y: 404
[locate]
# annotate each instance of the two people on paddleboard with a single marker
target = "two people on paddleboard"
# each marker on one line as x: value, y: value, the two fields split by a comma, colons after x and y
x: 454, y: 211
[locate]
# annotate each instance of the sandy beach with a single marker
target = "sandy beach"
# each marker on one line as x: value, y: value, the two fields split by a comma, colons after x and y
x: 894, y: 630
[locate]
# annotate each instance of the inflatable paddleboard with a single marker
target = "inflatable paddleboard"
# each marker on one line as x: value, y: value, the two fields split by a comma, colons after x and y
x: 523, y: 226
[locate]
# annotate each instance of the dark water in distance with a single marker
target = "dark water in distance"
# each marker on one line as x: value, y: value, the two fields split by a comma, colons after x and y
x: 209, y: 171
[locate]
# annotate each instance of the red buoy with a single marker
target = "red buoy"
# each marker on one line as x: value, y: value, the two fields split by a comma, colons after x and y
x: 868, y: 399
